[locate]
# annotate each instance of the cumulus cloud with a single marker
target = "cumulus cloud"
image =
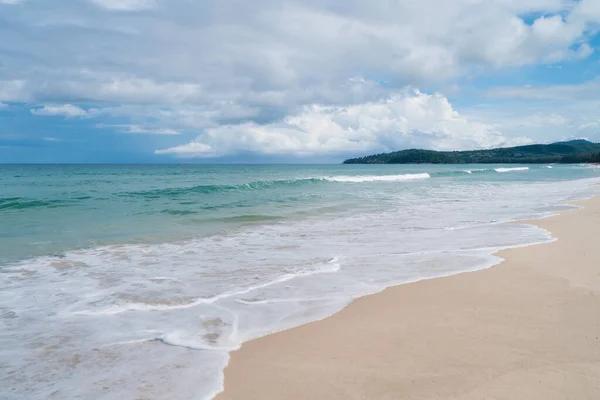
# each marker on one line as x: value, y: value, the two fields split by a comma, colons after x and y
x: 409, y: 118
x: 192, y: 50
x: 280, y: 75
x: 588, y: 11
x: 64, y: 110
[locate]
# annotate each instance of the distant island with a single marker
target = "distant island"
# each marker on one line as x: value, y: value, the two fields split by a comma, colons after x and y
x: 572, y: 151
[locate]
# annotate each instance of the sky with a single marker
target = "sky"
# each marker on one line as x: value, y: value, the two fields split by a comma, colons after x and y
x: 208, y: 81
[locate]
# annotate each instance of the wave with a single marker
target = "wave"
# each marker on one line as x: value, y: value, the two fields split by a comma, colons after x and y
x: 511, y: 169
x: 178, y: 212
x: 477, y: 170
x: 23, y: 203
x: 20, y: 203
x: 460, y: 172
x: 281, y: 183
x: 178, y: 340
x: 377, y: 178
x: 261, y: 185
x: 251, y: 218
x: 209, y: 189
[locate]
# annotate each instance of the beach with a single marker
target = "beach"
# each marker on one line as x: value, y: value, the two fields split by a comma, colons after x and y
x: 97, y: 302
x: 527, y: 328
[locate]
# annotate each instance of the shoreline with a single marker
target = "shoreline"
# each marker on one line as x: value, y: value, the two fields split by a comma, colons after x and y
x: 249, y: 366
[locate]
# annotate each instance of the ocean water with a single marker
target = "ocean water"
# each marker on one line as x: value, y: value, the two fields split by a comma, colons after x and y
x: 122, y: 282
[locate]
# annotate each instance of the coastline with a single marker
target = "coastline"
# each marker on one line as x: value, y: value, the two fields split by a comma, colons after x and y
x: 529, y: 322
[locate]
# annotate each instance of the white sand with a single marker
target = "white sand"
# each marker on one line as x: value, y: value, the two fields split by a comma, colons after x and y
x: 526, y: 329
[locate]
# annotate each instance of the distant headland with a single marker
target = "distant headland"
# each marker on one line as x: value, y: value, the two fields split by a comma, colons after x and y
x: 572, y: 151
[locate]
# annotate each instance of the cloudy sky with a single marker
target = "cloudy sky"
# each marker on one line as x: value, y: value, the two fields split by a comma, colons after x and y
x: 291, y: 81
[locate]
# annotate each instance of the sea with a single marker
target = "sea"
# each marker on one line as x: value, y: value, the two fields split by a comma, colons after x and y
x: 137, y: 281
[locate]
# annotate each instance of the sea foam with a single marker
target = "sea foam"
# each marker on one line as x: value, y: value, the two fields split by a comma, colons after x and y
x: 378, y: 178
x: 127, y: 316
x: 511, y: 169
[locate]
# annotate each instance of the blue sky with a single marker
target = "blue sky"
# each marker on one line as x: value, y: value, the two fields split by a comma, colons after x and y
x: 157, y: 81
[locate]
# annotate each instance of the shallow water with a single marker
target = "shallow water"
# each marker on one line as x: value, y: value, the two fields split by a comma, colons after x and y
x: 125, y: 281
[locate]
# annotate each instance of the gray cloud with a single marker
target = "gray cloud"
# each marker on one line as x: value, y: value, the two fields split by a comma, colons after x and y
x: 181, y: 51
x: 232, y: 64
x: 125, y: 5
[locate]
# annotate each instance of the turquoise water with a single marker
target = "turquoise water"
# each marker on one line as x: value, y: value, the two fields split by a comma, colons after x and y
x: 51, y: 209
x: 112, y: 275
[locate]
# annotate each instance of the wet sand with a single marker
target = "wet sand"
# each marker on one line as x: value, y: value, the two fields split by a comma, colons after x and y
x: 527, y: 328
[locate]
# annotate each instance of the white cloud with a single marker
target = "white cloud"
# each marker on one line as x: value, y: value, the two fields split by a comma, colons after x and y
x: 152, y: 131
x: 548, y: 92
x: 65, y: 110
x: 537, y: 120
x: 125, y: 5
x: 587, y: 10
x: 132, y: 128
x: 132, y: 90
x: 194, y: 51
x: 544, y: 113
x: 406, y: 119
x: 88, y: 87
x: 590, y: 125
x: 190, y: 150
x: 235, y: 69
x: 11, y: 2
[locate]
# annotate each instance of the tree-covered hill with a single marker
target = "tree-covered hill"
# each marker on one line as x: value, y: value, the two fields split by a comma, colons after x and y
x: 573, y: 151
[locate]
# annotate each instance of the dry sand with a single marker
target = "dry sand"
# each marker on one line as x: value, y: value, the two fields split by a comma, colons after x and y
x: 527, y: 328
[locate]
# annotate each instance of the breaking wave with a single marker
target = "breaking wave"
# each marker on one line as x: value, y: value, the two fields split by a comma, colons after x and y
x: 511, y: 169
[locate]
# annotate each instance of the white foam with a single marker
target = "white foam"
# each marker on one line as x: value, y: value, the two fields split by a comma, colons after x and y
x: 511, y: 169
x: 330, y: 267
x: 548, y: 166
x: 377, y: 178
x: 204, y: 297
x: 290, y: 300
x: 179, y: 339
x: 470, y: 171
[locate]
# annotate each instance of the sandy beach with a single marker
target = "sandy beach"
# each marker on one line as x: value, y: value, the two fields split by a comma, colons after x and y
x: 527, y: 328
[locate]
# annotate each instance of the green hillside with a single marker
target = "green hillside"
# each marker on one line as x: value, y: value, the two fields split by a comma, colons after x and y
x: 573, y: 151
